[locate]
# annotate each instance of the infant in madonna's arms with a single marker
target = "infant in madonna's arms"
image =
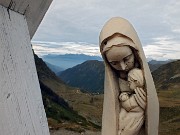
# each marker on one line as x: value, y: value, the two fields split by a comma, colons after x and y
x: 135, y: 79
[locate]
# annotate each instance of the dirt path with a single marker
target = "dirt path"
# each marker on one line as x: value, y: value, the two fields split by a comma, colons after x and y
x: 66, y: 132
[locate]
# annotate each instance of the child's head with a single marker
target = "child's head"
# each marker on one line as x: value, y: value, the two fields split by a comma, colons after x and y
x: 135, y: 78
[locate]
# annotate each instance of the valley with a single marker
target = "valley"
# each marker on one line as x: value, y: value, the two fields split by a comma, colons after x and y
x: 87, y: 103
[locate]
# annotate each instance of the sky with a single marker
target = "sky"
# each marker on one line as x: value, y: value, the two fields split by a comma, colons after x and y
x: 73, y: 26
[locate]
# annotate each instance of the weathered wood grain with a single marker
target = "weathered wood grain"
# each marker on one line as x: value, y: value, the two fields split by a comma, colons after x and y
x: 21, y: 108
x: 34, y: 11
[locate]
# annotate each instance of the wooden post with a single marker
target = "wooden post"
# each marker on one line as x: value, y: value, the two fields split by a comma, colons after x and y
x: 21, y: 107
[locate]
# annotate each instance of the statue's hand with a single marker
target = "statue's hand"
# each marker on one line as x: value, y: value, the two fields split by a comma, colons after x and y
x: 140, y: 96
x: 123, y: 96
x: 126, y: 105
x: 129, y: 103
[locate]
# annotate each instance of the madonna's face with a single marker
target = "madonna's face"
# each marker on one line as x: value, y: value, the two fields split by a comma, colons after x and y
x: 120, y: 58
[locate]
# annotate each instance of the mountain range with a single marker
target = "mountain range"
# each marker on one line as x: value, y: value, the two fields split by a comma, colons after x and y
x: 68, y: 60
x: 89, y: 75
x: 59, y: 63
x: 54, y: 68
x: 58, y: 99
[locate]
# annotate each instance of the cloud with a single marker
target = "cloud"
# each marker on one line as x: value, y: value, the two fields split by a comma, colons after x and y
x: 172, y: 16
x: 44, y: 48
x: 81, y: 21
x: 162, y: 48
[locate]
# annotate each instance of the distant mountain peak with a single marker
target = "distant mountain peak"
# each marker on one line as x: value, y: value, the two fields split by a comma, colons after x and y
x: 68, y: 60
x: 88, y: 76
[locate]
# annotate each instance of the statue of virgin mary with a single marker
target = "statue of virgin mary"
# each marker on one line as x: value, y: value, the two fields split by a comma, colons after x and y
x: 128, y: 108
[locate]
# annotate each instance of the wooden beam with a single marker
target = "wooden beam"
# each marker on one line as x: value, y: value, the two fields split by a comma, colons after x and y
x: 21, y: 107
x: 34, y: 11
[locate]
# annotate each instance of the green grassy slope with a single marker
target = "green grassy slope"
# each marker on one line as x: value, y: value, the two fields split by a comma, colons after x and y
x: 169, y: 112
x: 167, y: 81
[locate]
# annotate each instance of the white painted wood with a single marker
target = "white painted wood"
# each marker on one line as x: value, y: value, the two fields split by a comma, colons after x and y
x: 21, y: 108
x: 34, y: 10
